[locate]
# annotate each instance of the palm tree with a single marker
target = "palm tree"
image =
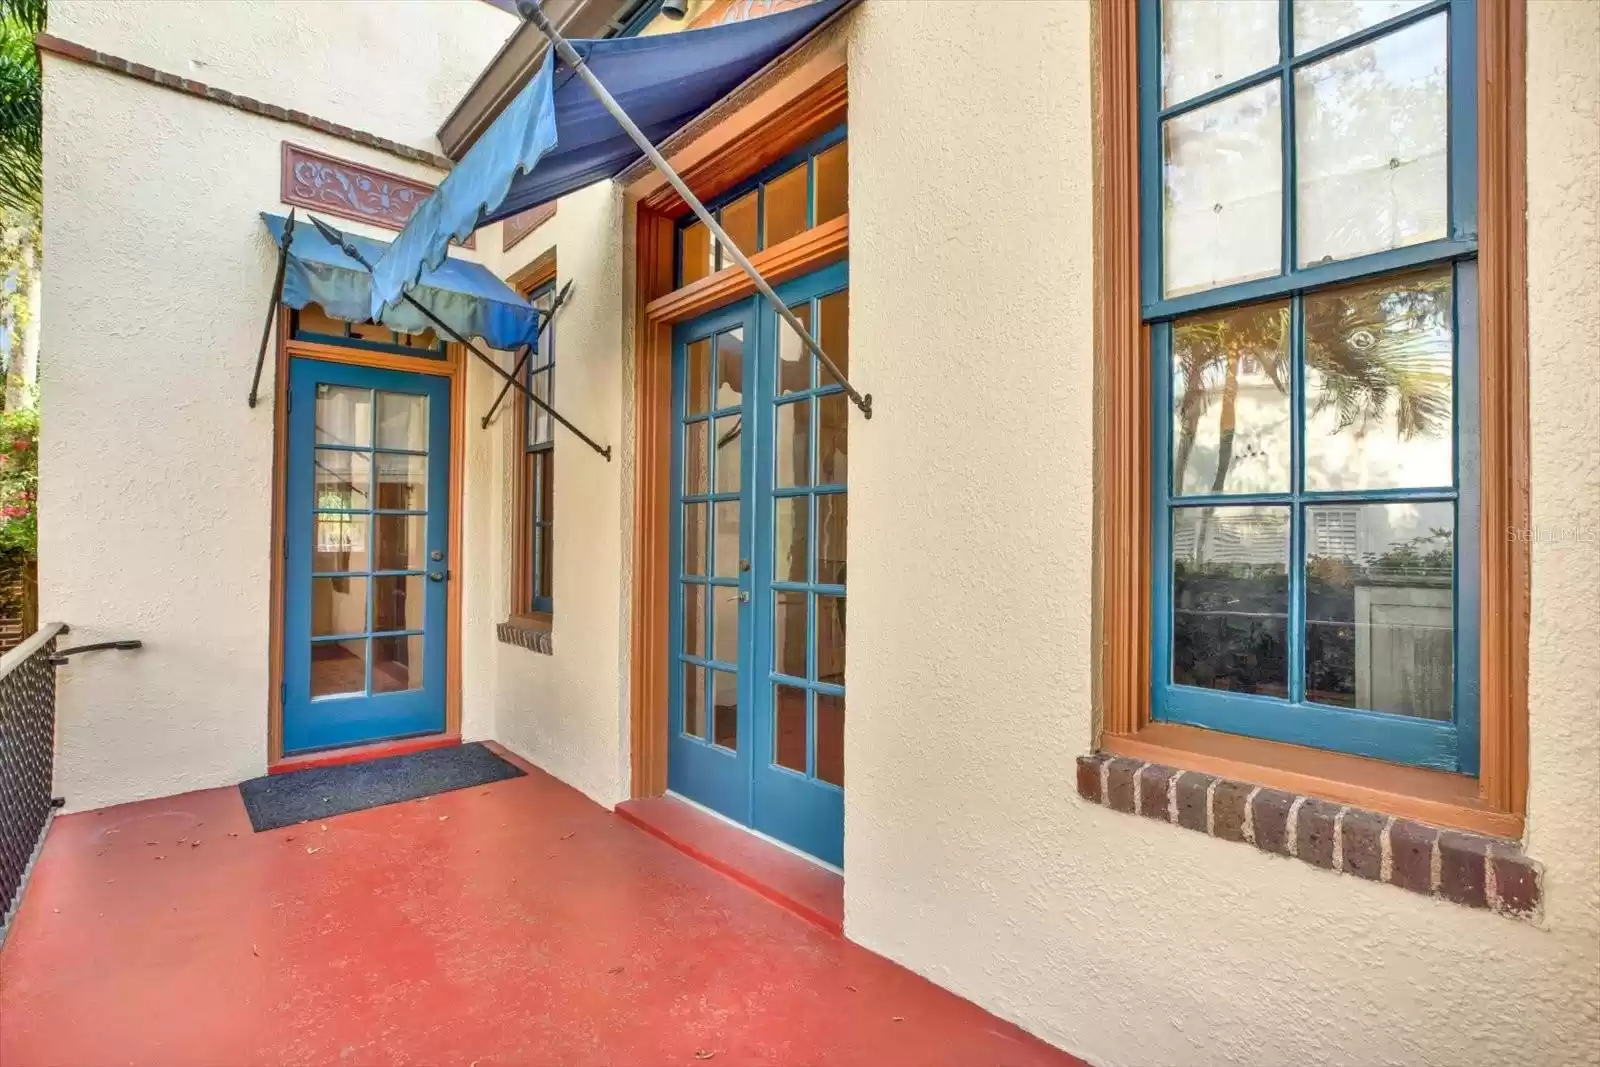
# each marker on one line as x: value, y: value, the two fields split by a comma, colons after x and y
x: 21, y: 172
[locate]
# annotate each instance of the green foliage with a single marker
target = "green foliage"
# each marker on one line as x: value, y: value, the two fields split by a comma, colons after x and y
x: 21, y: 167
x: 19, y: 484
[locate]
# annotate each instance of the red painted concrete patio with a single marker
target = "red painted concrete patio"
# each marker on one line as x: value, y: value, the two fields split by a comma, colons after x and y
x: 515, y: 923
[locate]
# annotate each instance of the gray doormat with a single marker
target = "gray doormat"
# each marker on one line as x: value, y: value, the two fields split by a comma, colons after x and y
x: 301, y: 796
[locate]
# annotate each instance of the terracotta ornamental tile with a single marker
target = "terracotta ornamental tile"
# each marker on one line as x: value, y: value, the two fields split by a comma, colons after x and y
x: 350, y: 190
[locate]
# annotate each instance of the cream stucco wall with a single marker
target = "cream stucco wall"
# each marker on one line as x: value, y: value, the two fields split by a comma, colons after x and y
x: 968, y: 855
x: 156, y: 477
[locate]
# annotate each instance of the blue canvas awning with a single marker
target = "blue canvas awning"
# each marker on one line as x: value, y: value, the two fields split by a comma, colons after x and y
x: 555, y: 137
x: 466, y: 295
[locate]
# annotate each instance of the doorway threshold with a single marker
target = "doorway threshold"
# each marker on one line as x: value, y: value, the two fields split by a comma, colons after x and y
x: 808, y: 888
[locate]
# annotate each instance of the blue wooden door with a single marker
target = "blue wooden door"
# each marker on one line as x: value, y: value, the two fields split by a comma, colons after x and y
x: 367, y: 522
x: 759, y: 466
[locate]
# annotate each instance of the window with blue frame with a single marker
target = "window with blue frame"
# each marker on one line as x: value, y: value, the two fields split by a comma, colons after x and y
x: 538, y: 467
x: 799, y: 192
x: 1308, y: 180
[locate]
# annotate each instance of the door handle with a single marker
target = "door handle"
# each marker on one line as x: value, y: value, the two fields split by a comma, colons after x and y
x: 436, y: 576
x: 744, y: 597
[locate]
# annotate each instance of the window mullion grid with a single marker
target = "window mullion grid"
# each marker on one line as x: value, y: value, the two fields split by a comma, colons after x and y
x: 1286, y: 116
x: 1297, y: 510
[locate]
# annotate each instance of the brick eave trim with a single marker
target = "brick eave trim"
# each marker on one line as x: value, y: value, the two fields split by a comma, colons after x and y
x: 58, y: 46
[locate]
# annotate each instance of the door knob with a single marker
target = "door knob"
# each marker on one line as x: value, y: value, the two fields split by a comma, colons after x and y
x: 744, y: 598
x: 436, y: 576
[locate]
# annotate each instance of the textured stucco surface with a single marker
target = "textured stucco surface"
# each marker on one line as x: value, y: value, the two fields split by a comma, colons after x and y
x: 968, y: 856
x: 563, y: 711
x: 156, y: 477
x: 392, y: 69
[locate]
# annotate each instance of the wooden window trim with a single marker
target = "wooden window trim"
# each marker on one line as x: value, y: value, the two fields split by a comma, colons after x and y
x: 1495, y: 802
x: 536, y: 275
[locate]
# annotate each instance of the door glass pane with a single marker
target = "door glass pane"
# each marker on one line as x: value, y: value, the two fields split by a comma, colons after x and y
x: 829, y: 630
x: 403, y: 421
x: 794, y: 373
x: 725, y: 549
x: 338, y: 667
x: 694, y: 620
x: 398, y: 602
x: 730, y: 367
x: 725, y: 709
x: 730, y: 431
x: 790, y: 537
x: 1380, y: 607
x: 1379, y: 383
x: 830, y: 739
x: 1317, y: 22
x: 697, y: 381
x: 1371, y: 126
x: 833, y: 430
x: 1206, y: 44
x: 1230, y: 598
x: 786, y: 206
x: 831, y: 176
x: 339, y: 543
x: 833, y: 333
x: 338, y: 606
x: 695, y: 250
x: 696, y: 460
x: 396, y: 663
x: 402, y: 482
x: 739, y: 223
x: 725, y: 624
x: 789, y: 633
x: 792, y: 441
x: 1230, y: 401
x: 789, y: 741
x: 694, y: 539
x: 830, y: 539
x: 1224, y: 192
x: 400, y: 546
x: 344, y: 416
x: 342, y: 479
x: 694, y: 700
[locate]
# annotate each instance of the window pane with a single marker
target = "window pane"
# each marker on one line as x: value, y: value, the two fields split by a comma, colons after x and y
x: 829, y: 627
x: 833, y: 429
x: 694, y: 538
x: 725, y: 549
x: 695, y: 252
x: 830, y: 539
x: 834, y: 333
x: 342, y: 479
x: 739, y: 222
x: 339, y: 543
x: 1230, y: 401
x: 725, y: 624
x: 1370, y: 137
x: 694, y: 620
x: 544, y: 577
x: 725, y: 709
x: 1208, y: 43
x: 789, y: 633
x: 398, y: 602
x: 400, y: 544
x: 344, y: 416
x: 402, y: 482
x: 696, y: 460
x: 790, y: 536
x: 785, y: 209
x: 830, y: 739
x: 1379, y: 607
x: 403, y: 421
x: 1230, y: 598
x: 1223, y: 169
x: 789, y: 727
x: 794, y: 366
x: 697, y: 384
x: 541, y: 427
x: 312, y: 319
x: 338, y: 606
x: 338, y: 667
x: 694, y: 701
x: 831, y: 176
x: 396, y: 664
x: 792, y: 439
x: 1316, y: 22
x: 730, y: 367
x: 730, y: 432
x: 1379, y: 386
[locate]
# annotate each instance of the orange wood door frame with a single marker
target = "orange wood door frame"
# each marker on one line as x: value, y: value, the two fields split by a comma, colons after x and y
x: 453, y: 367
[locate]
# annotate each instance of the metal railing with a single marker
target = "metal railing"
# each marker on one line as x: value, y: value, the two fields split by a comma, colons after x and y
x: 27, y: 759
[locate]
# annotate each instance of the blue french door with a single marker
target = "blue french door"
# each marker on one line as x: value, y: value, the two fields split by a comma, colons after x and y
x: 367, y: 519
x: 758, y: 544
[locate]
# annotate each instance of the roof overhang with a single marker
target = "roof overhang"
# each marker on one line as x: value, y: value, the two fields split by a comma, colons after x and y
x: 516, y: 62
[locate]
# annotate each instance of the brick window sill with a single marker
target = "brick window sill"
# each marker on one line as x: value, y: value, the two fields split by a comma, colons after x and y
x: 1468, y: 869
x: 531, y: 632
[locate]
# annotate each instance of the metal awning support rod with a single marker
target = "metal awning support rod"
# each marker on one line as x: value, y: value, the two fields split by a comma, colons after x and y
x: 531, y: 11
x: 528, y: 350
x: 272, y: 308
x: 349, y: 249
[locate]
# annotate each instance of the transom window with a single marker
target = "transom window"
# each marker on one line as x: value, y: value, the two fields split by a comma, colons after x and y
x: 538, y: 473
x: 1309, y: 243
x: 799, y: 192
x: 311, y: 323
